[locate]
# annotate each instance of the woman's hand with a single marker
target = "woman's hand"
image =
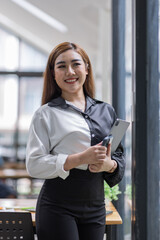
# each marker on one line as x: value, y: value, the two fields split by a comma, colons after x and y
x: 97, y: 157
x: 105, y: 163
x: 94, y: 155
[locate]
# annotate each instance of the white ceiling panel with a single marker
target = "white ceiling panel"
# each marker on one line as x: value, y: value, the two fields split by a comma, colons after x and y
x: 80, y: 17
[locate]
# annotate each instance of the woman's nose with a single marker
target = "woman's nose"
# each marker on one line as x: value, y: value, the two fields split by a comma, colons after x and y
x: 70, y: 70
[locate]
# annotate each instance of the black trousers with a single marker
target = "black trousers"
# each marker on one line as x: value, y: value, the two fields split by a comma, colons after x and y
x: 59, y: 217
x: 62, y: 223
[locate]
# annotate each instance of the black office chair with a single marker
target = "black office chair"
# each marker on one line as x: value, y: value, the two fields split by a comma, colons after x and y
x: 16, y: 226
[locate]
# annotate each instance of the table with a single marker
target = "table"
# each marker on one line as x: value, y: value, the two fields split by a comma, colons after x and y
x: 18, y: 204
x: 13, y: 173
x: 111, y: 219
x: 14, y: 165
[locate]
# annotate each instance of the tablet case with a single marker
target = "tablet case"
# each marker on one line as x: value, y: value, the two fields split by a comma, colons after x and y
x: 118, y: 130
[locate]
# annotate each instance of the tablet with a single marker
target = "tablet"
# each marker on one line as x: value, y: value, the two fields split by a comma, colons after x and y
x: 118, y: 131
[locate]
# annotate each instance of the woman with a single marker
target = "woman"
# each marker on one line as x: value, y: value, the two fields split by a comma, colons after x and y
x: 64, y: 147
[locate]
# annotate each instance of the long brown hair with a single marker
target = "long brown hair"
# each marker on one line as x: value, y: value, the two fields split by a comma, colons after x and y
x: 50, y: 88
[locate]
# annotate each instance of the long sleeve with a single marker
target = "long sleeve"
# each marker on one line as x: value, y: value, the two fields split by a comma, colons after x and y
x: 40, y: 162
x: 115, y: 177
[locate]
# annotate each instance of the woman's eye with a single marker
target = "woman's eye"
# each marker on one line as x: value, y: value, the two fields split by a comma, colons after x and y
x: 77, y: 64
x: 61, y: 66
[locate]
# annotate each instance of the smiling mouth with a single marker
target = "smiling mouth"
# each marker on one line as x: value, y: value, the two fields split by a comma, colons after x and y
x: 71, y: 80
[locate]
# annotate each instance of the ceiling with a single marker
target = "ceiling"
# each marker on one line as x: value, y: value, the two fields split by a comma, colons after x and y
x: 80, y: 16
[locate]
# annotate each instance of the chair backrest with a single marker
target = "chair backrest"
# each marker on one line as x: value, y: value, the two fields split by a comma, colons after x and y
x: 16, y: 226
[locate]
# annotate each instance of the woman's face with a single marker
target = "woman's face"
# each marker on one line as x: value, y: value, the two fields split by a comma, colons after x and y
x: 70, y: 73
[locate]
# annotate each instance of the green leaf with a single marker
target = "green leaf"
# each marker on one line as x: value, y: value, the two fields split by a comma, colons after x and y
x: 111, y: 193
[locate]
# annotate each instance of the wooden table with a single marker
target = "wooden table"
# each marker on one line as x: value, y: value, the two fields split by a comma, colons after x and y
x: 14, y: 165
x: 17, y: 204
x: 111, y: 219
x: 13, y: 173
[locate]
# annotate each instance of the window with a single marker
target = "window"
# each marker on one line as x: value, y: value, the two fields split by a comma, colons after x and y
x: 29, y: 101
x: 21, y: 82
x: 9, y: 49
x: 31, y: 59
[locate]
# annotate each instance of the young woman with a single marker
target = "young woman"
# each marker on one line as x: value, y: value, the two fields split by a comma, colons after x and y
x: 64, y: 148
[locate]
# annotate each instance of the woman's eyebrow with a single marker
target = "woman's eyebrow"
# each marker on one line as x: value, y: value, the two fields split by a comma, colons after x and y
x: 60, y: 62
x: 74, y: 60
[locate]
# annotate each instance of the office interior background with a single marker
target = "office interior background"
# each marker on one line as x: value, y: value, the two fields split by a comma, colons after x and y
x: 29, y: 30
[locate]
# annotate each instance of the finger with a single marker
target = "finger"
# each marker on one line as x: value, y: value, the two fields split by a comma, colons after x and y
x: 101, y: 156
x: 100, y: 151
x: 101, y: 148
x: 99, y: 143
x: 108, y: 150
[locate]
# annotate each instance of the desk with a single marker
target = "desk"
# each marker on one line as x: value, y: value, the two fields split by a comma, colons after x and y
x: 17, y: 204
x: 13, y: 173
x: 13, y: 165
x: 111, y: 219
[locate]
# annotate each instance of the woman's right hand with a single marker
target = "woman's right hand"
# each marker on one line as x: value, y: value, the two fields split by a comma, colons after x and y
x: 94, y: 154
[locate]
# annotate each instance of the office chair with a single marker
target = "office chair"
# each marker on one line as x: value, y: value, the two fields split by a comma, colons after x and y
x: 16, y: 226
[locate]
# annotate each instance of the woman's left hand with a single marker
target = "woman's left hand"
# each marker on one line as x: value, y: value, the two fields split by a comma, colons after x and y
x: 106, y: 165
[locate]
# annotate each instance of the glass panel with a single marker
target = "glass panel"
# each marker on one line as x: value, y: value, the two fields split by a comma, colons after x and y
x: 30, y: 101
x: 31, y: 59
x: 9, y: 49
x: 159, y: 98
x: 8, y: 102
x: 8, y: 114
x: 128, y: 104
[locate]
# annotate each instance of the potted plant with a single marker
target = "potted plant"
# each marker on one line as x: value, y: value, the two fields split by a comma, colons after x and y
x: 111, y: 193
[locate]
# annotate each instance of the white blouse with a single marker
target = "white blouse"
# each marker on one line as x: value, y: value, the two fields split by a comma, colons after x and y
x: 54, y: 134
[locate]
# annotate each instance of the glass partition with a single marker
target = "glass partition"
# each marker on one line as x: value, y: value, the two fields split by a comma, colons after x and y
x: 8, y: 114
x: 31, y: 59
x: 128, y: 111
x: 159, y: 100
x: 9, y: 49
x: 29, y: 101
x: 20, y: 95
